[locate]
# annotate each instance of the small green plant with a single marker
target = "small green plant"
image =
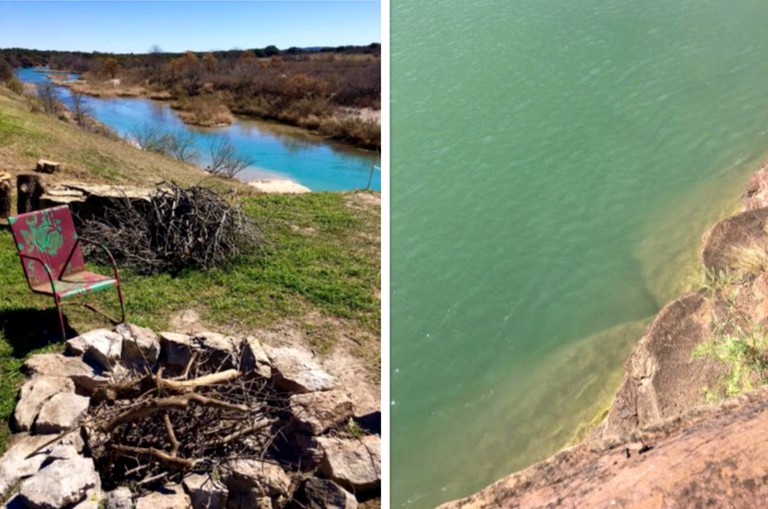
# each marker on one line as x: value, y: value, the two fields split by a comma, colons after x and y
x: 744, y: 353
x: 354, y: 429
x: 716, y: 281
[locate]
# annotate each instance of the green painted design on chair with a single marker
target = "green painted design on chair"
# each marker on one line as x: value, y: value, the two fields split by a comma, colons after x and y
x: 45, y: 236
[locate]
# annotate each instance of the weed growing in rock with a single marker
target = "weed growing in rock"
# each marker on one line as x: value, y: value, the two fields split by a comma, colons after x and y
x: 744, y: 352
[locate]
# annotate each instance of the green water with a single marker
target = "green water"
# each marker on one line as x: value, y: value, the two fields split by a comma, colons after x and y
x: 554, y: 163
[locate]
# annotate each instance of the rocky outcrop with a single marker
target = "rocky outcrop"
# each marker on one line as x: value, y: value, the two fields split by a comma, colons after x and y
x: 713, y: 457
x: 756, y: 193
x: 661, y: 377
x: 723, y: 244
x: 660, y: 445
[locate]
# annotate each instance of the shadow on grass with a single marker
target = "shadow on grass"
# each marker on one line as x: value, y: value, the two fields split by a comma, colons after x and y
x: 28, y: 329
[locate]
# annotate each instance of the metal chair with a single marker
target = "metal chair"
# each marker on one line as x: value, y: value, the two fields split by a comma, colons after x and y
x: 53, y: 262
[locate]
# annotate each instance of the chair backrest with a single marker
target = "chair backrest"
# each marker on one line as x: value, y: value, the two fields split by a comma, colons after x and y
x: 50, y: 235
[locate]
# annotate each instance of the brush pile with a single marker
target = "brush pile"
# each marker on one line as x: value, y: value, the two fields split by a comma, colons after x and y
x: 175, y: 229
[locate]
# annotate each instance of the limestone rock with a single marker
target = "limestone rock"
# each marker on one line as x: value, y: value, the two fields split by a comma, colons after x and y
x: 15, y: 463
x: 34, y: 393
x: 62, y: 412
x: 325, y: 494
x: 141, y: 346
x: 221, y: 348
x: 255, y: 358
x: 63, y: 452
x: 60, y: 484
x: 169, y: 497
x: 86, y: 378
x: 297, y: 371
x: 355, y: 464
x: 205, y: 492
x: 120, y: 498
x: 255, y: 477
x: 319, y: 411
x: 176, y: 348
x: 94, y: 499
x: 101, y: 346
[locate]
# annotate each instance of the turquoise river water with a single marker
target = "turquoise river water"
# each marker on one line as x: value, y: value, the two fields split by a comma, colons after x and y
x: 554, y: 164
x: 277, y: 152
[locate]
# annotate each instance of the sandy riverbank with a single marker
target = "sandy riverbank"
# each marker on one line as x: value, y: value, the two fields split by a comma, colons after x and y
x: 278, y: 186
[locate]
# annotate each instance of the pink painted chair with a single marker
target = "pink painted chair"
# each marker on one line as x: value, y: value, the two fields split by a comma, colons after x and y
x: 53, y: 261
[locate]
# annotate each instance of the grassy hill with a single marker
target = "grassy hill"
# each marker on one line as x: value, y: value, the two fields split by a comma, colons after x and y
x: 316, y: 280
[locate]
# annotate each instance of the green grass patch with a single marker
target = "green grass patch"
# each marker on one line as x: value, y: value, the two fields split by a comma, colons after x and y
x: 321, y: 257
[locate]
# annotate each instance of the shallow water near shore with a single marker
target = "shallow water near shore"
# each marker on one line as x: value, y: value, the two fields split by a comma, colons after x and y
x: 554, y: 164
x: 277, y: 151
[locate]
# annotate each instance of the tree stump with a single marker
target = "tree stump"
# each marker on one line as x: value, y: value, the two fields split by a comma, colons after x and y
x: 29, y: 189
x: 6, y: 187
x: 44, y: 166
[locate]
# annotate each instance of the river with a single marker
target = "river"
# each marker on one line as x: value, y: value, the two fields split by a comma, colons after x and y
x: 554, y: 164
x: 277, y: 151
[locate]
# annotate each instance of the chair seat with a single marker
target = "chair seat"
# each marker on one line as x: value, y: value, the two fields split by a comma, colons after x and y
x: 77, y: 283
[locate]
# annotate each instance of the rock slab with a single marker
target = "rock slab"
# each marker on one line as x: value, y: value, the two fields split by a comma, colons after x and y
x: 61, y: 413
x: 297, y: 371
x: 354, y: 464
x: 34, y: 393
x: 60, y: 484
x: 319, y: 411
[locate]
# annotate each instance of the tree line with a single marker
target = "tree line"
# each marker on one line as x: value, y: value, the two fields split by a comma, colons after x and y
x: 305, y: 87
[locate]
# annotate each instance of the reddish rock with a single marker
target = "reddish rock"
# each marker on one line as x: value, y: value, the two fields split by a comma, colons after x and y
x: 661, y: 377
x: 715, y: 457
x: 721, y: 244
x: 756, y: 193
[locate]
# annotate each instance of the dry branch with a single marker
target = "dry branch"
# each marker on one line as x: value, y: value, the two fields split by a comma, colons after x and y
x: 156, y: 405
x: 157, y: 429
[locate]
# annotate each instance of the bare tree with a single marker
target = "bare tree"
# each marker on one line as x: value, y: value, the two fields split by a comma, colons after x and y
x: 225, y: 159
x: 181, y: 145
x: 151, y: 138
x: 80, y: 110
x: 48, y: 97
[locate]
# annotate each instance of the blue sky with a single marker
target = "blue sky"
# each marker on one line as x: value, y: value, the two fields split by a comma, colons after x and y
x: 187, y: 25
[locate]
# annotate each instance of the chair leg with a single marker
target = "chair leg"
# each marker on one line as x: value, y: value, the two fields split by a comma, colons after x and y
x: 61, y: 318
x: 120, y: 298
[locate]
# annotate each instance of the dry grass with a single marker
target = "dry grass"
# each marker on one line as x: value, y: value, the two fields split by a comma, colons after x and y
x: 205, y: 111
x: 750, y: 259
